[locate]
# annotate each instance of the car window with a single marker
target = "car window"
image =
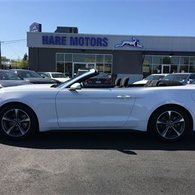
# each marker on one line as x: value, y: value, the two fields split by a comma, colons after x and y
x: 58, y: 75
x: 28, y: 74
x: 8, y: 76
x: 154, y: 77
x: 176, y: 77
x: 192, y: 76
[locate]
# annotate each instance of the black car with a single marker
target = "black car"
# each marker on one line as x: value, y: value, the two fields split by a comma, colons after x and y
x: 32, y: 76
x: 184, y: 78
x: 101, y: 80
x: 8, y: 79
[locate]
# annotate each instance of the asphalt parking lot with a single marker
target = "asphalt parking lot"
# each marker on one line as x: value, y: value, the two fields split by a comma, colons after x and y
x: 97, y: 163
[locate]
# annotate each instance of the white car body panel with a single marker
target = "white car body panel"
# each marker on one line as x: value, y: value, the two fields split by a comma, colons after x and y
x: 144, y: 81
x: 90, y: 108
x: 60, y: 79
x: 113, y: 108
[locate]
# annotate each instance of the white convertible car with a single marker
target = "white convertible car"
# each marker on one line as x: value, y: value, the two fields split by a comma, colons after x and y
x: 168, y: 112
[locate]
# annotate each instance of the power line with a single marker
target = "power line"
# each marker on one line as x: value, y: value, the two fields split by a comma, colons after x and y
x: 12, y: 41
x: 0, y: 55
x: 9, y: 42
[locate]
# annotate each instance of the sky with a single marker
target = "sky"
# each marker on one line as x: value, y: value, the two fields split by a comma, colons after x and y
x: 115, y: 17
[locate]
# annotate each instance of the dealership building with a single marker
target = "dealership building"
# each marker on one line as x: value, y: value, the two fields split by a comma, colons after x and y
x: 131, y: 56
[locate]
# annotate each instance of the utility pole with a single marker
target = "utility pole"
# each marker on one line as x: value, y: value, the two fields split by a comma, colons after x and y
x: 0, y: 56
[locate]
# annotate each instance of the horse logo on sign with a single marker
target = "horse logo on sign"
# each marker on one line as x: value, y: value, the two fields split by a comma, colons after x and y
x: 133, y: 43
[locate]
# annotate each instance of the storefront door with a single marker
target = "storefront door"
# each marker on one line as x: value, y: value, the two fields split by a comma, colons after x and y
x: 166, y: 68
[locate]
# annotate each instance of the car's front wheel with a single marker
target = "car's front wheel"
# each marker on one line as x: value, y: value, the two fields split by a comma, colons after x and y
x: 170, y: 123
x: 17, y: 121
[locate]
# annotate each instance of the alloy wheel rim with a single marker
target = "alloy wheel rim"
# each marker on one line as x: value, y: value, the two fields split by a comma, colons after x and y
x: 16, y: 123
x: 170, y: 125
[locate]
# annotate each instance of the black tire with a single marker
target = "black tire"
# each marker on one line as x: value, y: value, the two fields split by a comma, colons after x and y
x: 117, y: 82
x: 17, y: 122
x: 170, y: 123
x: 124, y: 82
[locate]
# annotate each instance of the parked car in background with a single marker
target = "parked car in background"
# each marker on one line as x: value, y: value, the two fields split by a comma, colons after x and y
x: 42, y: 74
x: 8, y: 79
x: 150, y: 78
x: 32, y: 76
x: 101, y: 80
x: 81, y: 71
x: 184, y: 78
x: 55, y: 76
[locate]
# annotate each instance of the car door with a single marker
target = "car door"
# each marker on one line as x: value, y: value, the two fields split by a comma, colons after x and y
x: 93, y: 108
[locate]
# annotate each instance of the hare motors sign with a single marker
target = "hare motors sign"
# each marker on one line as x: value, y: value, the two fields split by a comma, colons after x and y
x: 75, y: 41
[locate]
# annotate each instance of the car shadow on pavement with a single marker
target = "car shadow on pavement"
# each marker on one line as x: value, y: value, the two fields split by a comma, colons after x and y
x: 123, y: 142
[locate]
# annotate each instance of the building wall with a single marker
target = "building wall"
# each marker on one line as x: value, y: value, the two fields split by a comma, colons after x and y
x: 127, y: 62
x: 130, y: 53
x: 41, y: 59
x: 124, y: 62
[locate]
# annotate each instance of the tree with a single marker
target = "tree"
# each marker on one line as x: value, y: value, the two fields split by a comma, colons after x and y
x: 25, y: 58
x: 23, y: 63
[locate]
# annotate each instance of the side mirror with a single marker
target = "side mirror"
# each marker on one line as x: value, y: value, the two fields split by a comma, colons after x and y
x: 75, y: 86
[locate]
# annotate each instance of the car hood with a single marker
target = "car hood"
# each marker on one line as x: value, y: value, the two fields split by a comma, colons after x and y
x: 9, y: 83
x: 30, y: 87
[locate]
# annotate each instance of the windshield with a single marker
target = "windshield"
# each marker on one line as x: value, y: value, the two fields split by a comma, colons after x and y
x: 9, y: 76
x: 28, y: 74
x: 154, y: 77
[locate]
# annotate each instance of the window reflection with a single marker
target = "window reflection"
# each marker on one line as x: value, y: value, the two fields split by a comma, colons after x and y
x: 60, y: 57
x: 184, y: 60
x: 166, y: 60
x: 60, y: 67
x: 192, y: 61
x: 157, y: 60
x: 67, y: 62
x: 183, y: 68
x: 155, y: 63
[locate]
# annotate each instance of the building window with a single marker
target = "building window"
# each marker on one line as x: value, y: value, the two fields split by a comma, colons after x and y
x: 157, y: 60
x: 69, y: 63
x: 99, y: 58
x: 60, y: 67
x: 68, y: 69
x: 68, y: 57
x: 184, y: 60
x: 174, y: 60
x: 60, y: 57
x: 166, y: 60
x: 192, y: 61
x: 156, y: 63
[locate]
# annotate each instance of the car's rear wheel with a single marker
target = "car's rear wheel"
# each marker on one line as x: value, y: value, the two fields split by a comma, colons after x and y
x: 17, y: 122
x: 170, y: 123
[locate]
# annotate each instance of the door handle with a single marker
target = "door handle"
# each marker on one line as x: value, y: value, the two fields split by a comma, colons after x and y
x: 119, y: 96
x: 127, y: 96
